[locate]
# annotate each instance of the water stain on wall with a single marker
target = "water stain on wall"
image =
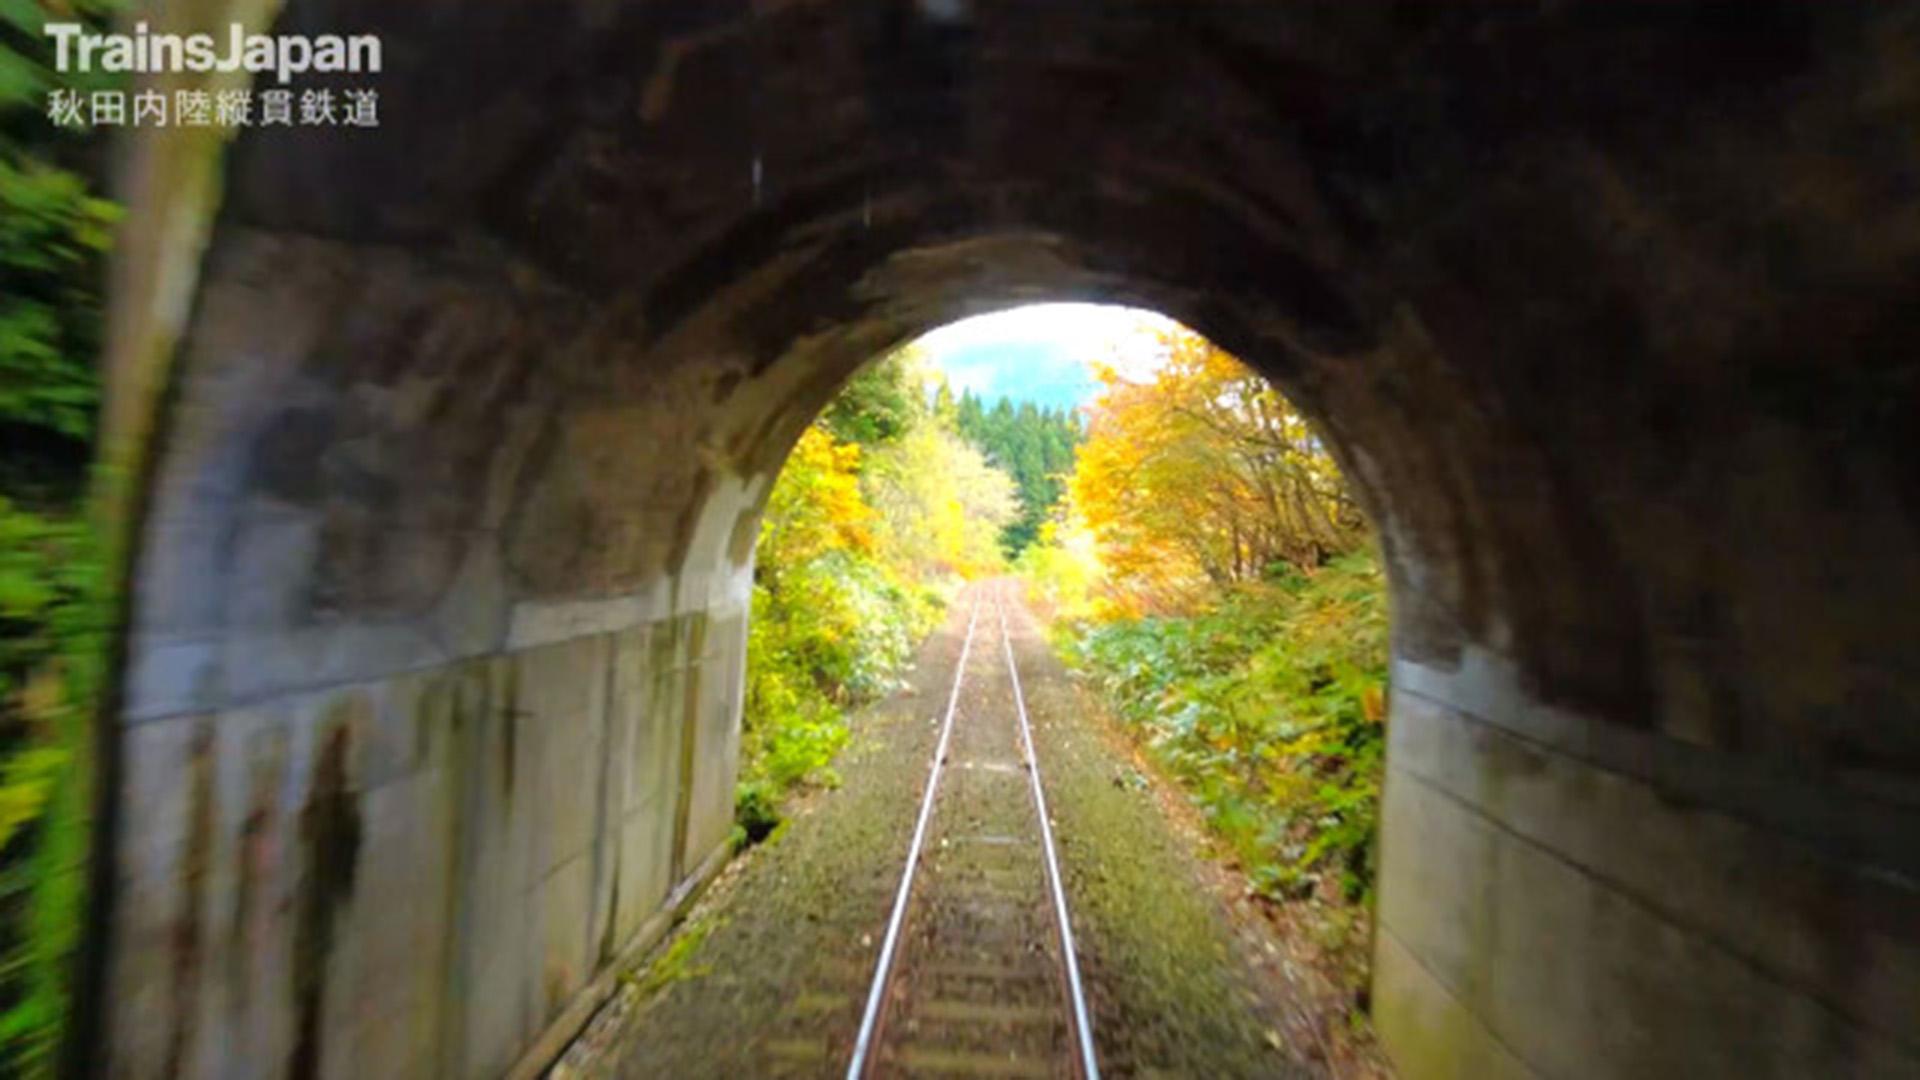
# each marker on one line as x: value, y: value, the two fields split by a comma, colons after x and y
x: 188, y: 949
x: 330, y: 836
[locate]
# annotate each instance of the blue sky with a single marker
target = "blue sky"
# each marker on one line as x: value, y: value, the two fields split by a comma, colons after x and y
x: 1043, y: 353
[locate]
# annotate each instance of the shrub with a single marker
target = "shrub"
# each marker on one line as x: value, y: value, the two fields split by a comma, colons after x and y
x: 835, y: 619
x: 1270, y: 708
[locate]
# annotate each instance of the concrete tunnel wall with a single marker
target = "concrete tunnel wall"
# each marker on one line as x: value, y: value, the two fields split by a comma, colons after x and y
x: 434, y: 671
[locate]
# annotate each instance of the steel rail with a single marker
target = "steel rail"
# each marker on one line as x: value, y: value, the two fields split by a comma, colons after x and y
x: 883, y: 968
x: 1082, y: 1026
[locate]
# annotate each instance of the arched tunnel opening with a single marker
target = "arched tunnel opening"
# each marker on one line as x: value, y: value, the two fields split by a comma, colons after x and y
x: 1105, y: 484
x: 443, y: 443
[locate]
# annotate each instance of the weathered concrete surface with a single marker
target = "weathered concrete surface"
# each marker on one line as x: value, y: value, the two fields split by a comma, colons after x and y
x: 413, y: 875
x: 1606, y: 310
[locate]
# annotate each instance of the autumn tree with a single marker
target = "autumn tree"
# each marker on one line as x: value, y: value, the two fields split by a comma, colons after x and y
x: 817, y: 506
x: 942, y: 507
x: 1210, y: 577
x: 879, y: 505
x: 1205, y: 474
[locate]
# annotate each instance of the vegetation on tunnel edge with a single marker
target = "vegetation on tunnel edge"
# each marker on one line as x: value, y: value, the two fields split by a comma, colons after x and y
x: 56, y: 599
x: 881, y: 510
x: 1211, y: 577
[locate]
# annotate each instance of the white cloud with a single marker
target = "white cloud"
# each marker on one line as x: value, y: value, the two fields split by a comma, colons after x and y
x: 1048, y: 349
x: 978, y: 379
x: 1080, y: 325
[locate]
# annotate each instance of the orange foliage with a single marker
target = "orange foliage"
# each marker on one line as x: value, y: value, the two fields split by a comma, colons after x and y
x: 817, y: 505
x: 1203, y: 477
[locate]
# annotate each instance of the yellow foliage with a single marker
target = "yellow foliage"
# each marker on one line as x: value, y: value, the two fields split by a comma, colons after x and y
x: 1203, y: 477
x: 941, y: 505
x: 817, y: 506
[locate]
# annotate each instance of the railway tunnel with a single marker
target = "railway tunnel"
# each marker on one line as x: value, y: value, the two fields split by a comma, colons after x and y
x: 451, y: 436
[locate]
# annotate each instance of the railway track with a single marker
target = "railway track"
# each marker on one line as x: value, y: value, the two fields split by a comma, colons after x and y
x: 977, y: 974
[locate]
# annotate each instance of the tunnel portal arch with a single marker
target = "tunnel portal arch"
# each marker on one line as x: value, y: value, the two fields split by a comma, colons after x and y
x: 450, y: 497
